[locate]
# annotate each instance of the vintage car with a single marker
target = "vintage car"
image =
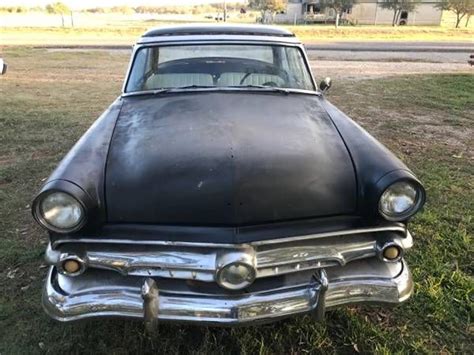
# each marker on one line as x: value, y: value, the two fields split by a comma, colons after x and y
x: 221, y: 187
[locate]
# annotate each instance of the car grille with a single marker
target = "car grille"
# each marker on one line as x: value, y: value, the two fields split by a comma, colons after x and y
x: 199, y: 261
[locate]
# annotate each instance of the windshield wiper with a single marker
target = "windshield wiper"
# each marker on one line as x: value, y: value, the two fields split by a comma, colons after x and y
x: 192, y: 87
x: 261, y: 87
x: 178, y: 88
x: 167, y: 90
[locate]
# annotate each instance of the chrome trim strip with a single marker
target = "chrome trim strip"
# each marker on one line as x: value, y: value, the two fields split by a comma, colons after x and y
x: 396, y: 228
x: 393, y: 228
x: 93, y: 240
x: 129, y: 68
x: 125, y: 301
x: 219, y: 38
x: 179, y: 264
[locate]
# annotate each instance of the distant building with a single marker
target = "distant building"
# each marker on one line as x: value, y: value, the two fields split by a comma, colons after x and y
x: 363, y: 12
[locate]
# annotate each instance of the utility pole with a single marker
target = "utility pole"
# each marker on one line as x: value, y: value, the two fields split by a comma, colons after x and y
x: 225, y: 11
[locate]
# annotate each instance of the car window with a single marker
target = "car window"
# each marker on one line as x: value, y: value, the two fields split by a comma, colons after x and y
x: 218, y: 65
x: 263, y: 53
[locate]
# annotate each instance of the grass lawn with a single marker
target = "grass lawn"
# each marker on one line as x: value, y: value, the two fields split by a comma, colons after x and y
x: 48, y: 99
x: 119, y: 29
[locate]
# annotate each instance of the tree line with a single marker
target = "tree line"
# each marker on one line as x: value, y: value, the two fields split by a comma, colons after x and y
x: 59, y: 7
x: 463, y: 9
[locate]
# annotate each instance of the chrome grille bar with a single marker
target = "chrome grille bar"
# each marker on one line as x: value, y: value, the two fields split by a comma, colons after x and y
x: 199, y: 261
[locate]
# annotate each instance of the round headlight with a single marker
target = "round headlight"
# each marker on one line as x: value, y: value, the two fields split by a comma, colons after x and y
x: 236, y: 276
x: 400, y: 201
x: 60, y: 212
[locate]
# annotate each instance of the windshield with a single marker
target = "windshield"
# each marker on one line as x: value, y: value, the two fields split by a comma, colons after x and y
x: 219, y: 65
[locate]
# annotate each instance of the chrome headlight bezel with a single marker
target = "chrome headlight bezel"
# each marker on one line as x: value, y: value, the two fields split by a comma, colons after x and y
x: 419, y: 199
x: 43, y: 220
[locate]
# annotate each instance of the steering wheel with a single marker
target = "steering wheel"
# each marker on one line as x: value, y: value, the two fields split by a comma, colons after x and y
x: 275, y: 71
x: 270, y: 83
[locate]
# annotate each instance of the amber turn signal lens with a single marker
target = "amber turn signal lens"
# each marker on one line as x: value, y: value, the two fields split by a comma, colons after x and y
x: 71, y: 266
x: 391, y: 253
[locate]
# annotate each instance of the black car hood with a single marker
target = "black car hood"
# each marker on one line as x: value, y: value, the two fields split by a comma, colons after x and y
x: 226, y: 159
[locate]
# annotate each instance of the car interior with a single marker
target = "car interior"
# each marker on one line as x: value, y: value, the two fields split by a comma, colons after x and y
x: 215, y: 71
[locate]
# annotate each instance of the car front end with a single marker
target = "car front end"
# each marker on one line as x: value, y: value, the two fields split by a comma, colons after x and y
x: 227, y: 283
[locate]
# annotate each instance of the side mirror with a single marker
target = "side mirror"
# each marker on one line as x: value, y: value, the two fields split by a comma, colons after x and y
x: 3, y: 67
x: 325, y: 84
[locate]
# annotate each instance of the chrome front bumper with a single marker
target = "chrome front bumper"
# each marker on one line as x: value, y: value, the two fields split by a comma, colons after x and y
x: 98, y: 293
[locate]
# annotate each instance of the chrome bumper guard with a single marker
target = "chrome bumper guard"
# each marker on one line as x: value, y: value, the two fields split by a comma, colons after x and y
x: 106, y: 293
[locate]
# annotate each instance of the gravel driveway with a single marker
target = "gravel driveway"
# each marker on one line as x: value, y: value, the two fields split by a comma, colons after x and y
x: 360, y: 70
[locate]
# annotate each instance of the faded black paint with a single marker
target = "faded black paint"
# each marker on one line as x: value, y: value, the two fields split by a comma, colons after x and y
x: 226, y: 159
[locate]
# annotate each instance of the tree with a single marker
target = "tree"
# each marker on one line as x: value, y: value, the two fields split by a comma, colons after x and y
x: 460, y: 7
x: 398, y: 6
x: 339, y: 6
x: 267, y: 7
x: 58, y: 8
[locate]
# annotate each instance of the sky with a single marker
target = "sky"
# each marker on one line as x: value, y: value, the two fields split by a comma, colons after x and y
x: 80, y: 4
